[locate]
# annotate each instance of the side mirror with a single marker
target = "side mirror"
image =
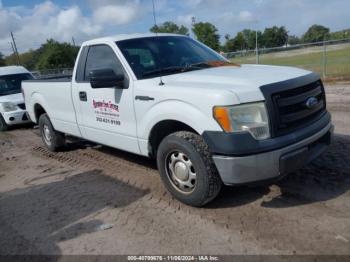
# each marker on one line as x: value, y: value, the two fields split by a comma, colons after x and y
x: 103, y: 78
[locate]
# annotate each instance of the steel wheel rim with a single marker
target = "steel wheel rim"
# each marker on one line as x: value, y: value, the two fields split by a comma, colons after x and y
x: 47, y: 134
x: 181, y: 172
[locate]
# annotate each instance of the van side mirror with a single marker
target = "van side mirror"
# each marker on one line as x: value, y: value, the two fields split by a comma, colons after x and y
x: 104, y: 78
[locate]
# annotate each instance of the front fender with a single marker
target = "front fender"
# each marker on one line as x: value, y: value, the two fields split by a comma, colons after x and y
x: 179, y: 111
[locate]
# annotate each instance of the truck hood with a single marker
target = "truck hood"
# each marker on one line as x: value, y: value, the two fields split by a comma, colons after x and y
x: 15, y: 98
x: 244, y: 81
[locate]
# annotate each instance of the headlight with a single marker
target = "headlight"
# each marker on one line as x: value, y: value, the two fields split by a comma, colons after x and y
x: 8, y: 107
x: 250, y: 118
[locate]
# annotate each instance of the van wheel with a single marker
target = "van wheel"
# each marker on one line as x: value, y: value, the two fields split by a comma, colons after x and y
x: 187, y: 168
x: 3, y: 125
x: 53, y: 139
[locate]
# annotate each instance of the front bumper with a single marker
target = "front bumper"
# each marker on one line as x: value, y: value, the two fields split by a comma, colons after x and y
x: 269, y: 165
x: 16, y: 117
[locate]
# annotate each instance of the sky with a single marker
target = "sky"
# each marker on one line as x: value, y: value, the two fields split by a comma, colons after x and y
x: 34, y: 21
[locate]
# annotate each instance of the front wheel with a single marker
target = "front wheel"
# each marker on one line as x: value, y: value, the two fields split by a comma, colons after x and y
x: 53, y: 139
x: 187, y: 168
x: 3, y: 125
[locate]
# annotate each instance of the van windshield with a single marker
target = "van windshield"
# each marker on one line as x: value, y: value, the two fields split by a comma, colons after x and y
x: 11, y: 84
x: 164, y: 55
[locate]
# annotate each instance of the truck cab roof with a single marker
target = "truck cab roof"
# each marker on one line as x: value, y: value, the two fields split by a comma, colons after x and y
x: 121, y: 37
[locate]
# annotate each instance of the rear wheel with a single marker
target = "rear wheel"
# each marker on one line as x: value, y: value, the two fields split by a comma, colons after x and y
x: 3, y: 125
x: 187, y: 168
x: 53, y: 139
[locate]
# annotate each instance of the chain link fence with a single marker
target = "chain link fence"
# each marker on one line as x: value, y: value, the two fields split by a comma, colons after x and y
x: 331, y: 59
x: 53, y: 73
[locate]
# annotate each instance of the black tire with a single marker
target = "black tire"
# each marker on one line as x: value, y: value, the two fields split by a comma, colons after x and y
x: 193, y: 148
x: 3, y: 125
x: 56, y: 140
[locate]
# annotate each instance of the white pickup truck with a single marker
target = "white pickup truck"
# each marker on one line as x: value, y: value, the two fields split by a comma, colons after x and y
x: 12, y: 107
x: 208, y: 122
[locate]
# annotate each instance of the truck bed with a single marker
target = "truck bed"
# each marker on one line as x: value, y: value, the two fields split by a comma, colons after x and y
x: 55, y: 96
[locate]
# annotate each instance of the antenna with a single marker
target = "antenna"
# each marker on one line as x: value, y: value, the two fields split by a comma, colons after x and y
x: 154, y: 14
x: 161, y: 83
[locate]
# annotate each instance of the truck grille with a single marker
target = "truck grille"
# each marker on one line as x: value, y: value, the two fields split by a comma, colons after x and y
x: 22, y: 106
x: 296, y: 107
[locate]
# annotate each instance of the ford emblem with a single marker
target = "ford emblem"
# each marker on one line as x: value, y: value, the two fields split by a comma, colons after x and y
x: 311, y: 102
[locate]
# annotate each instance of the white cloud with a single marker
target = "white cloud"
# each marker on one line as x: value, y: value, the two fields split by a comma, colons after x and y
x: 114, y: 14
x: 246, y: 16
x: 33, y: 26
x: 44, y: 21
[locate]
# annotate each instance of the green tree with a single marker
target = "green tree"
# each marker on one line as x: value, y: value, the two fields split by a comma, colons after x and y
x: 316, y: 33
x: 2, y: 60
x: 293, y: 40
x: 239, y: 41
x: 274, y: 36
x: 170, y: 27
x: 53, y: 55
x: 340, y: 34
x: 228, y: 45
x: 207, y: 33
x: 250, y: 38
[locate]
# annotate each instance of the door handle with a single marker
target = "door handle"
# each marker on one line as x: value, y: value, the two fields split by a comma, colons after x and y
x: 82, y: 96
x: 144, y: 98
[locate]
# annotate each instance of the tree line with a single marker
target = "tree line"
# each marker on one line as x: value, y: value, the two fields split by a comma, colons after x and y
x: 52, y: 54
x: 246, y: 39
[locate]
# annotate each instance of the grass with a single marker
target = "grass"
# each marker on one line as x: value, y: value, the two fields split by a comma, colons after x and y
x: 338, y: 60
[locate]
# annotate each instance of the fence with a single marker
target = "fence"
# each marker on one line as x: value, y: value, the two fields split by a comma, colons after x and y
x: 52, y: 73
x: 330, y: 58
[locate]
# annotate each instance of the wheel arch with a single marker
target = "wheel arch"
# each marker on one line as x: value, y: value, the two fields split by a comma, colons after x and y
x: 38, y: 111
x: 162, y: 129
x: 38, y: 107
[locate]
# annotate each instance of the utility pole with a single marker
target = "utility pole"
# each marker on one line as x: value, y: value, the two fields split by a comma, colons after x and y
x: 256, y: 46
x: 324, y: 59
x: 15, y: 48
x: 73, y: 41
x: 14, y: 52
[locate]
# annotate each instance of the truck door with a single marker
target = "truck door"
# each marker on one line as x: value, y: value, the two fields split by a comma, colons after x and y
x: 104, y: 115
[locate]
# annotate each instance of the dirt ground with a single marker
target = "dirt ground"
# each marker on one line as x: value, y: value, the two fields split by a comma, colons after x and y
x: 97, y: 200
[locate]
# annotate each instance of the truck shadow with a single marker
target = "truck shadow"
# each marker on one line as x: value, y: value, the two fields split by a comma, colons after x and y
x: 33, y: 220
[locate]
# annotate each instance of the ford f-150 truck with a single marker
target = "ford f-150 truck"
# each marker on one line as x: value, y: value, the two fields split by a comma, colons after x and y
x: 207, y: 121
x: 12, y: 107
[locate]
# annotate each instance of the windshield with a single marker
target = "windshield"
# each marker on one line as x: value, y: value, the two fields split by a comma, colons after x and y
x: 164, y: 55
x: 11, y: 84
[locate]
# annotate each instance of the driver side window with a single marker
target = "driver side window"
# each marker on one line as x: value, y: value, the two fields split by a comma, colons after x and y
x: 102, y: 57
